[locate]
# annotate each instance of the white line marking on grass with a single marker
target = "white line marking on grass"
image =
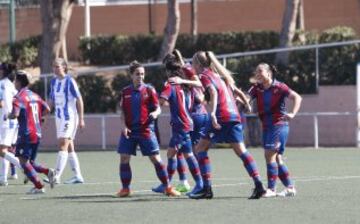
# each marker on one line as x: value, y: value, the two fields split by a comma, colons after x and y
x: 324, y: 178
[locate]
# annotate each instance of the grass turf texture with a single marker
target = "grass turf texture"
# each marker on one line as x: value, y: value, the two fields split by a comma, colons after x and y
x: 327, y: 182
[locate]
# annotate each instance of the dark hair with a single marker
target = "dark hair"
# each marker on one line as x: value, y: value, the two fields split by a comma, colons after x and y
x: 273, y: 70
x: 9, y: 70
x: 172, y: 64
x: 23, y: 78
x: 133, y: 66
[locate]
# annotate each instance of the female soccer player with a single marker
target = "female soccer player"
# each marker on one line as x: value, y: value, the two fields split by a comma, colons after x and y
x: 198, y: 112
x: 224, y: 124
x: 65, y: 97
x: 140, y: 107
x: 29, y: 108
x: 180, y: 102
x: 8, y: 128
x: 270, y: 96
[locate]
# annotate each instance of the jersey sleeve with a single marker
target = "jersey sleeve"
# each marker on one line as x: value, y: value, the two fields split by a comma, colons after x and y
x: 205, y: 81
x: 252, y: 91
x: 285, y: 89
x: 166, y: 92
x: 52, y: 91
x: 17, y: 105
x: 154, y: 100
x: 74, y: 89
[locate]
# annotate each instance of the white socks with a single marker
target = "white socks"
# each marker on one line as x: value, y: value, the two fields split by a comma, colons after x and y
x: 75, y: 165
x: 61, y: 163
x: 4, y: 169
x: 12, y: 159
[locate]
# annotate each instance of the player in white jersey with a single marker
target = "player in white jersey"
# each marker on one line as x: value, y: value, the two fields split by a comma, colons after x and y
x: 68, y: 106
x: 8, y: 128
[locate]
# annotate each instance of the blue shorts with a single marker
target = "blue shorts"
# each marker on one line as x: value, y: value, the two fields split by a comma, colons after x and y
x: 200, y: 121
x: 275, y: 137
x: 230, y: 132
x: 181, y: 141
x: 27, y: 150
x: 148, y: 146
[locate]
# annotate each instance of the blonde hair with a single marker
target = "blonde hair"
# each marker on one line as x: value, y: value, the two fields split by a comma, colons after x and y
x: 63, y: 63
x: 207, y: 59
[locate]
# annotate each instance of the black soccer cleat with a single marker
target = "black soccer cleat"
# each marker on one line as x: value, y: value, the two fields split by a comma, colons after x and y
x: 205, y: 193
x: 258, y: 192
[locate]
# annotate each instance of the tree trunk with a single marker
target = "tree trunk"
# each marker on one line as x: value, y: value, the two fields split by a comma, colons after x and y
x: 288, y: 29
x: 171, y: 30
x: 194, y: 20
x: 300, y: 24
x: 55, y: 17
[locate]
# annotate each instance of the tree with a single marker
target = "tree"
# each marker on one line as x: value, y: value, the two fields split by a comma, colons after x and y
x: 194, y: 20
x: 55, y: 17
x: 293, y: 18
x: 171, y: 30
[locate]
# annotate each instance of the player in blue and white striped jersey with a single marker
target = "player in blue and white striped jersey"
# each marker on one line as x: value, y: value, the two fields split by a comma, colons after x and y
x: 67, y: 102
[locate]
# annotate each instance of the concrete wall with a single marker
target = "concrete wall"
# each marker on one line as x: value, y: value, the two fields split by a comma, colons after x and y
x: 214, y: 16
x: 333, y: 130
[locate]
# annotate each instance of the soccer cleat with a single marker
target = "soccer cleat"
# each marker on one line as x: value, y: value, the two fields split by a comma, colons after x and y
x: 52, y: 177
x: 35, y: 190
x: 159, y: 189
x: 269, y: 193
x: 4, y: 183
x: 75, y: 180
x: 123, y: 193
x: 195, y: 190
x: 13, y: 177
x: 183, y: 187
x: 258, y: 192
x: 287, y: 192
x: 26, y: 180
x: 171, y: 192
x: 204, y: 193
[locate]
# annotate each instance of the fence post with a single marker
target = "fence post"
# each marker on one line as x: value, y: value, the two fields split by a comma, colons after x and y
x: 45, y: 89
x: 103, y: 132
x: 317, y: 76
x: 316, y: 132
x: 358, y: 104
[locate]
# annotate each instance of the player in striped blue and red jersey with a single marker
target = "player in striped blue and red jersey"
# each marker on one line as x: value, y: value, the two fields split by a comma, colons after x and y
x: 224, y: 124
x: 270, y: 96
x: 180, y: 101
x: 29, y: 108
x: 198, y: 112
x: 140, y: 107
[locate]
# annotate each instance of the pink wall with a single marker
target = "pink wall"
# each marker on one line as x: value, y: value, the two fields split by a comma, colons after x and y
x: 333, y: 130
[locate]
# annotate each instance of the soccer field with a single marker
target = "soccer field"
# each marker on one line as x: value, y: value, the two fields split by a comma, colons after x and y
x: 327, y: 182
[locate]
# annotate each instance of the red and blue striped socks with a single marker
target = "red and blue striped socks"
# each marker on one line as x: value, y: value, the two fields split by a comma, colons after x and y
x: 205, y: 168
x: 125, y: 175
x: 250, y: 166
x: 171, y: 167
x: 284, y: 176
x: 272, y: 174
x: 181, y: 166
x: 30, y: 172
x: 195, y: 170
x: 162, y: 173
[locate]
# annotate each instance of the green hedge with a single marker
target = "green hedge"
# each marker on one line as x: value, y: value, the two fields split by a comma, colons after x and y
x: 23, y: 53
x: 337, y: 64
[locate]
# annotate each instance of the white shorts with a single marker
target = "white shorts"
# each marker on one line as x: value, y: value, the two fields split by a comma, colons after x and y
x: 66, y: 129
x: 8, y: 136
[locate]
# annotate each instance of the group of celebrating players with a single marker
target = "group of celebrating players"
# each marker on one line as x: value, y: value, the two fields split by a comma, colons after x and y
x: 194, y: 126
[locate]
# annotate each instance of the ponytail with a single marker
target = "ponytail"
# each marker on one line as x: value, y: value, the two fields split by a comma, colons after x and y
x: 219, y: 68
